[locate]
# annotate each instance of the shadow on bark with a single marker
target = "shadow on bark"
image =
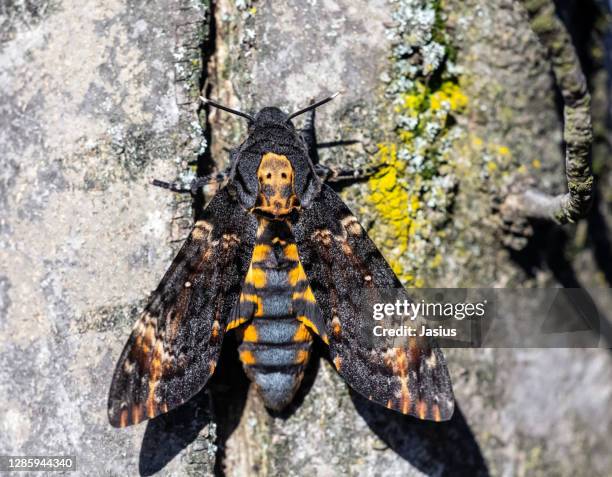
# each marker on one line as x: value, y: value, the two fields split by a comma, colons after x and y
x: 226, y: 395
x: 548, y: 249
x: 229, y: 388
x: 167, y: 435
x: 583, y: 306
x: 599, y: 234
x: 221, y: 401
x: 445, y: 449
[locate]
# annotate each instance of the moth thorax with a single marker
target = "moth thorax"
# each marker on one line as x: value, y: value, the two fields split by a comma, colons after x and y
x: 276, y: 196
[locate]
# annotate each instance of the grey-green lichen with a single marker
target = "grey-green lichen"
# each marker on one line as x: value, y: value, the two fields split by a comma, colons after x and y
x: 413, y: 193
x: 16, y: 14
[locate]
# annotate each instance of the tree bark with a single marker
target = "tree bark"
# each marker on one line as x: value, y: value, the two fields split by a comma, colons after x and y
x: 456, y: 98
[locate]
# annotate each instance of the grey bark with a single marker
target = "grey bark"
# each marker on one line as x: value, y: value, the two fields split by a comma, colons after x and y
x: 99, y: 98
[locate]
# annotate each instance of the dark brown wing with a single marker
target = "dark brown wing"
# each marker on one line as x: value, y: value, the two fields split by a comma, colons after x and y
x: 174, y: 346
x: 342, y: 264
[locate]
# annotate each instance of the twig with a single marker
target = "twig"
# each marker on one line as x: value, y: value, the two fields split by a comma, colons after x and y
x: 578, y: 133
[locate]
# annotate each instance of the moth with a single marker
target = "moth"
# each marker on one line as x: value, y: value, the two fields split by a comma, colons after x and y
x: 280, y: 260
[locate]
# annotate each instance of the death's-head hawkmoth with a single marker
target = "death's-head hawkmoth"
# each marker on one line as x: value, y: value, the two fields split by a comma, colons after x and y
x: 276, y: 258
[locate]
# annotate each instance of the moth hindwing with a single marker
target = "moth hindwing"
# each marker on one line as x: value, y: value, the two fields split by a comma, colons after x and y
x: 278, y: 259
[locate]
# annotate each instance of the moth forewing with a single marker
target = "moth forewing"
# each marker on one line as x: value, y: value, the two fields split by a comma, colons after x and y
x: 340, y: 260
x: 174, y: 346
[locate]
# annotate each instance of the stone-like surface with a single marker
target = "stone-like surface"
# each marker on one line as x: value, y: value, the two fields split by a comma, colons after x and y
x: 88, y: 115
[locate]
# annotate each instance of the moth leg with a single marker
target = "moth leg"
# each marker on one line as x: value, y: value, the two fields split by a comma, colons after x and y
x: 332, y: 174
x: 196, y: 184
x: 309, y: 136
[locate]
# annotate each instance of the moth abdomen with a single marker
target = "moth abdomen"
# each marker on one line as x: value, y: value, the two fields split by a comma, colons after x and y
x: 275, y: 346
x: 274, y: 353
x: 283, y: 356
x: 277, y: 331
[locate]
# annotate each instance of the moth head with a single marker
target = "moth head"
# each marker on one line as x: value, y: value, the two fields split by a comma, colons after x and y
x: 271, y: 116
x: 272, y: 132
x: 276, y: 197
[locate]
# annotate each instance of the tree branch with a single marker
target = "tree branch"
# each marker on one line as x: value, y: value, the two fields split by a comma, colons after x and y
x: 578, y: 132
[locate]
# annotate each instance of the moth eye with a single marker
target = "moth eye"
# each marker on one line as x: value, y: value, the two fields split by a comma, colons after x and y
x: 269, y: 175
x: 284, y: 175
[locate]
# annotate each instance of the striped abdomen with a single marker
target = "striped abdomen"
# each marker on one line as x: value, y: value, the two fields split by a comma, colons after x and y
x: 275, y: 309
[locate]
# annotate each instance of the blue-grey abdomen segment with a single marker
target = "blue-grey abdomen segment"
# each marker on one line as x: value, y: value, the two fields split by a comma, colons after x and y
x: 276, y: 388
x: 278, y: 357
x: 276, y: 331
x: 274, y: 360
x: 276, y: 303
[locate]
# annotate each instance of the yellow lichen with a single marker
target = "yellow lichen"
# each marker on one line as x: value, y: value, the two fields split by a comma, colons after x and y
x: 391, y: 200
x: 503, y: 151
x: 448, y: 96
x: 413, y: 191
x: 403, y: 198
x: 436, y: 261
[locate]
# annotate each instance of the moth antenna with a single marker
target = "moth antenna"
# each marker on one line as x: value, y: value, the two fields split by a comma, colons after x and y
x: 313, y: 106
x: 225, y: 108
